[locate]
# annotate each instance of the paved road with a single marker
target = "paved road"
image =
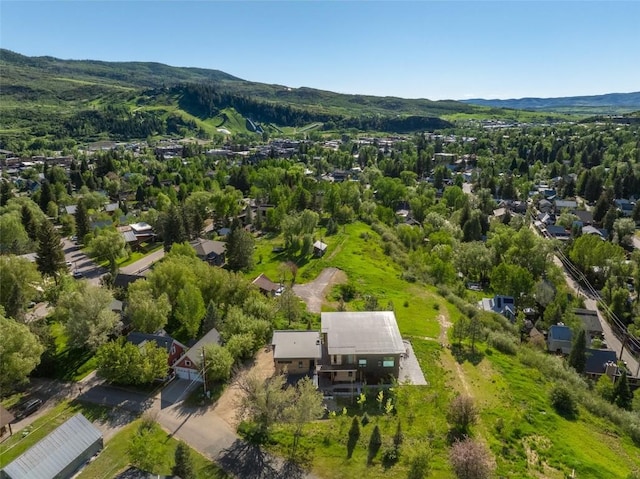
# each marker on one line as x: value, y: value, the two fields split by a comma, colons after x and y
x: 590, y: 303
x: 81, y: 262
x: 143, y: 264
x: 201, y: 428
x: 636, y: 242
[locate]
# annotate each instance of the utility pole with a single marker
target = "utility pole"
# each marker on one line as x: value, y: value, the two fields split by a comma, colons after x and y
x: 204, y: 369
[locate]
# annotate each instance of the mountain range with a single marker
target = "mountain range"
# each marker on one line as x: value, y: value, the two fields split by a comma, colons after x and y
x: 51, y: 97
x: 607, y: 103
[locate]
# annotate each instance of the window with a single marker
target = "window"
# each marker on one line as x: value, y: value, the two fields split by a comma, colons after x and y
x: 187, y: 363
x: 299, y: 364
x: 362, y: 362
x: 388, y: 362
x: 350, y: 374
x: 173, y: 349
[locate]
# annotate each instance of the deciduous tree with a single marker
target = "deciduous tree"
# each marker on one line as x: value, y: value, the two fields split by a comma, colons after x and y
x: 147, y: 312
x: 108, y: 245
x: 87, y: 316
x: 189, y: 310
x: 470, y: 460
x: 123, y: 362
x: 218, y: 362
x: 18, y: 280
x: 20, y: 353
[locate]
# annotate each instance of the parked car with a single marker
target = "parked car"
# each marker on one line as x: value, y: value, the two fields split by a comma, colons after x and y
x: 28, y: 408
x: 77, y: 274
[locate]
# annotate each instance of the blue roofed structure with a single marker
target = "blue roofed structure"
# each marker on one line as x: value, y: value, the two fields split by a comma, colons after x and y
x: 559, y: 339
x: 598, y: 360
x: 60, y: 454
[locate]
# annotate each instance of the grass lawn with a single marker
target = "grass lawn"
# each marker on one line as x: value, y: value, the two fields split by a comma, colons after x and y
x: 24, y: 439
x: 146, y: 250
x: 114, y: 458
x: 70, y: 364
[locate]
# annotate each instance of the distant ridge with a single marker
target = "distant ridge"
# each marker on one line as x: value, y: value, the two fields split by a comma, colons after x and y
x: 613, y: 101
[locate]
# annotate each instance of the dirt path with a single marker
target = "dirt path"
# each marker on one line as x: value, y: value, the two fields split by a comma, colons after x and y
x: 227, y: 406
x: 313, y: 293
x: 448, y: 359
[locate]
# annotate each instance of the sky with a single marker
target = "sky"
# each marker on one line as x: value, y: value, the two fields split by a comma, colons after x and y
x: 420, y: 49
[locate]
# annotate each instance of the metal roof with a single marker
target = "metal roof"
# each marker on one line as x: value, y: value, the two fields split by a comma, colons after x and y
x: 55, y: 452
x: 368, y: 332
x: 560, y: 332
x: 296, y: 344
x: 597, y: 360
x: 129, y: 236
x: 589, y: 318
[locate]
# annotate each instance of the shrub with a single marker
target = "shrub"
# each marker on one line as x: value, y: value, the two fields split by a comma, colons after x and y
x: 462, y: 413
x: 419, y: 465
x: 503, y: 343
x: 470, y: 460
x: 365, y: 419
x: 563, y: 401
x: 390, y: 455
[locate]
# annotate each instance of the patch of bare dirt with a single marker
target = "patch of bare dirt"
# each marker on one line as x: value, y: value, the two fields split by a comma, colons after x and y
x: 227, y: 406
x: 445, y: 324
x: 314, y: 292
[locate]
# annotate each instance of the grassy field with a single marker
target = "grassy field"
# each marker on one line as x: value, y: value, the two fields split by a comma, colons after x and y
x: 70, y: 364
x: 114, y: 458
x: 525, y: 435
x: 23, y: 440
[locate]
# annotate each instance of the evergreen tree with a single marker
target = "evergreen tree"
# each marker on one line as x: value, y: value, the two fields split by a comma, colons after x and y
x: 623, y: 396
x: 184, y: 467
x: 173, y: 228
x: 578, y: 356
x: 374, y: 443
x: 5, y: 192
x: 82, y: 220
x: 240, y: 250
x: 609, y: 219
x: 50, y: 258
x: 46, y: 196
x: 29, y: 222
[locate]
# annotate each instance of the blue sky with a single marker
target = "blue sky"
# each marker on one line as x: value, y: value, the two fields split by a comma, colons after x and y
x: 421, y: 49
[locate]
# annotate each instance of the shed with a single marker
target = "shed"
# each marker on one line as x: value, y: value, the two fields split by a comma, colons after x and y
x: 319, y: 249
x: 60, y: 454
x: 559, y: 339
x: 266, y: 286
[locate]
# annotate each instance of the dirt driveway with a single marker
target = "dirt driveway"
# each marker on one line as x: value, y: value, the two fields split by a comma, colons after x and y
x: 313, y: 293
x: 227, y: 405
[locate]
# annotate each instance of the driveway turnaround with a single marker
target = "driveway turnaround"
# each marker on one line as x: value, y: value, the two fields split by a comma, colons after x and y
x: 410, y: 370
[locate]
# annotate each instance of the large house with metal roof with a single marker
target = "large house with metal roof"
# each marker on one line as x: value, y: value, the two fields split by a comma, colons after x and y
x: 60, y: 454
x: 351, y: 347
